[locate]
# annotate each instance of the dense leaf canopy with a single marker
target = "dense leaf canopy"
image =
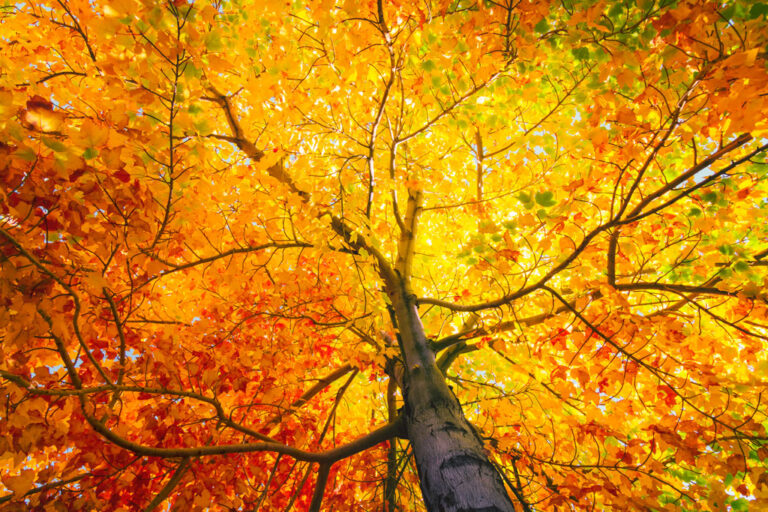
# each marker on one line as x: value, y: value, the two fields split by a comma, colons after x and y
x: 205, y: 205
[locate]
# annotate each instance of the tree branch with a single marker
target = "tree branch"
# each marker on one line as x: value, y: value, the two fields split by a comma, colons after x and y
x: 168, y: 488
x: 322, y: 479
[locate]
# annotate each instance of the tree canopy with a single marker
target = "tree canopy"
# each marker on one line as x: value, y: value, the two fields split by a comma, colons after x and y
x: 261, y: 255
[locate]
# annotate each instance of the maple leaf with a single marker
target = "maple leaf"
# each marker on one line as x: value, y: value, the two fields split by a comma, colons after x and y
x: 40, y: 115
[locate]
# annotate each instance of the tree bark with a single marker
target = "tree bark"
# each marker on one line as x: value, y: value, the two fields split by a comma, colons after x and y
x: 454, y: 470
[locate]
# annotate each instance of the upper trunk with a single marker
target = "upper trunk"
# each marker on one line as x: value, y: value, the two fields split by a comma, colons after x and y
x: 454, y: 470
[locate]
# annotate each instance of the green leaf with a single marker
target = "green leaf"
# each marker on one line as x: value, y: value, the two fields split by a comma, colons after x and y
x: 581, y: 53
x: 27, y: 154
x: 54, y: 144
x: 670, y: 173
x: 649, y: 33
x: 542, y: 26
x: 545, y: 199
x: 741, y: 266
x: 202, y: 126
x: 725, y: 249
x: 90, y: 153
x: 428, y: 65
x: 735, y: 10
x: 615, y: 11
x: 213, y: 42
x: 155, y: 17
x: 758, y: 10
x: 740, y: 504
x: 526, y: 199
x: 190, y: 71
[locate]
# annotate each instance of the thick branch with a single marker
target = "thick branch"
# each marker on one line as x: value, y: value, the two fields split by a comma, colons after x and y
x: 317, y: 495
x: 384, y: 433
x: 75, y: 298
x: 690, y: 173
x: 635, y: 215
x: 168, y: 488
x: 407, y: 242
x: 277, y: 171
x: 687, y: 192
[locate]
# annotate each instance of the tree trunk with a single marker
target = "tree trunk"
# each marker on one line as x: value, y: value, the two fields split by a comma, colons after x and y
x: 454, y: 471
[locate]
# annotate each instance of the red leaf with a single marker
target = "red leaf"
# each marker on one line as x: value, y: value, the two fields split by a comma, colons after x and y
x: 38, y: 102
x: 122, y: 175
x: 51, y: 224
x: 76, y: 174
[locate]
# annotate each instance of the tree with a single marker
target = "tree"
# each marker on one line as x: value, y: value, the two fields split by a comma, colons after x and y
x: 451, y: 255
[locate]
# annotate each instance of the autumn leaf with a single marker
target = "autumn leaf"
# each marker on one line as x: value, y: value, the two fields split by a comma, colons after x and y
x: 40, y: 115
x: 21, y: 484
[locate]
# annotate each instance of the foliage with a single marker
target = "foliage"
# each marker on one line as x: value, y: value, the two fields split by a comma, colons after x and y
x: 202, y: 205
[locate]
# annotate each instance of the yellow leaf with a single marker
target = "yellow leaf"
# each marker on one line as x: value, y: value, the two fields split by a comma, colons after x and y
x: 566, y: 245
x: 92, y: 134
x: 21, y: 483
x: 6, y: 105
x: 44, y: 120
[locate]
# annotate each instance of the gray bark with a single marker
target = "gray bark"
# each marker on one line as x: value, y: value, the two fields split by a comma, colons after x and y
x: 454, y: 470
